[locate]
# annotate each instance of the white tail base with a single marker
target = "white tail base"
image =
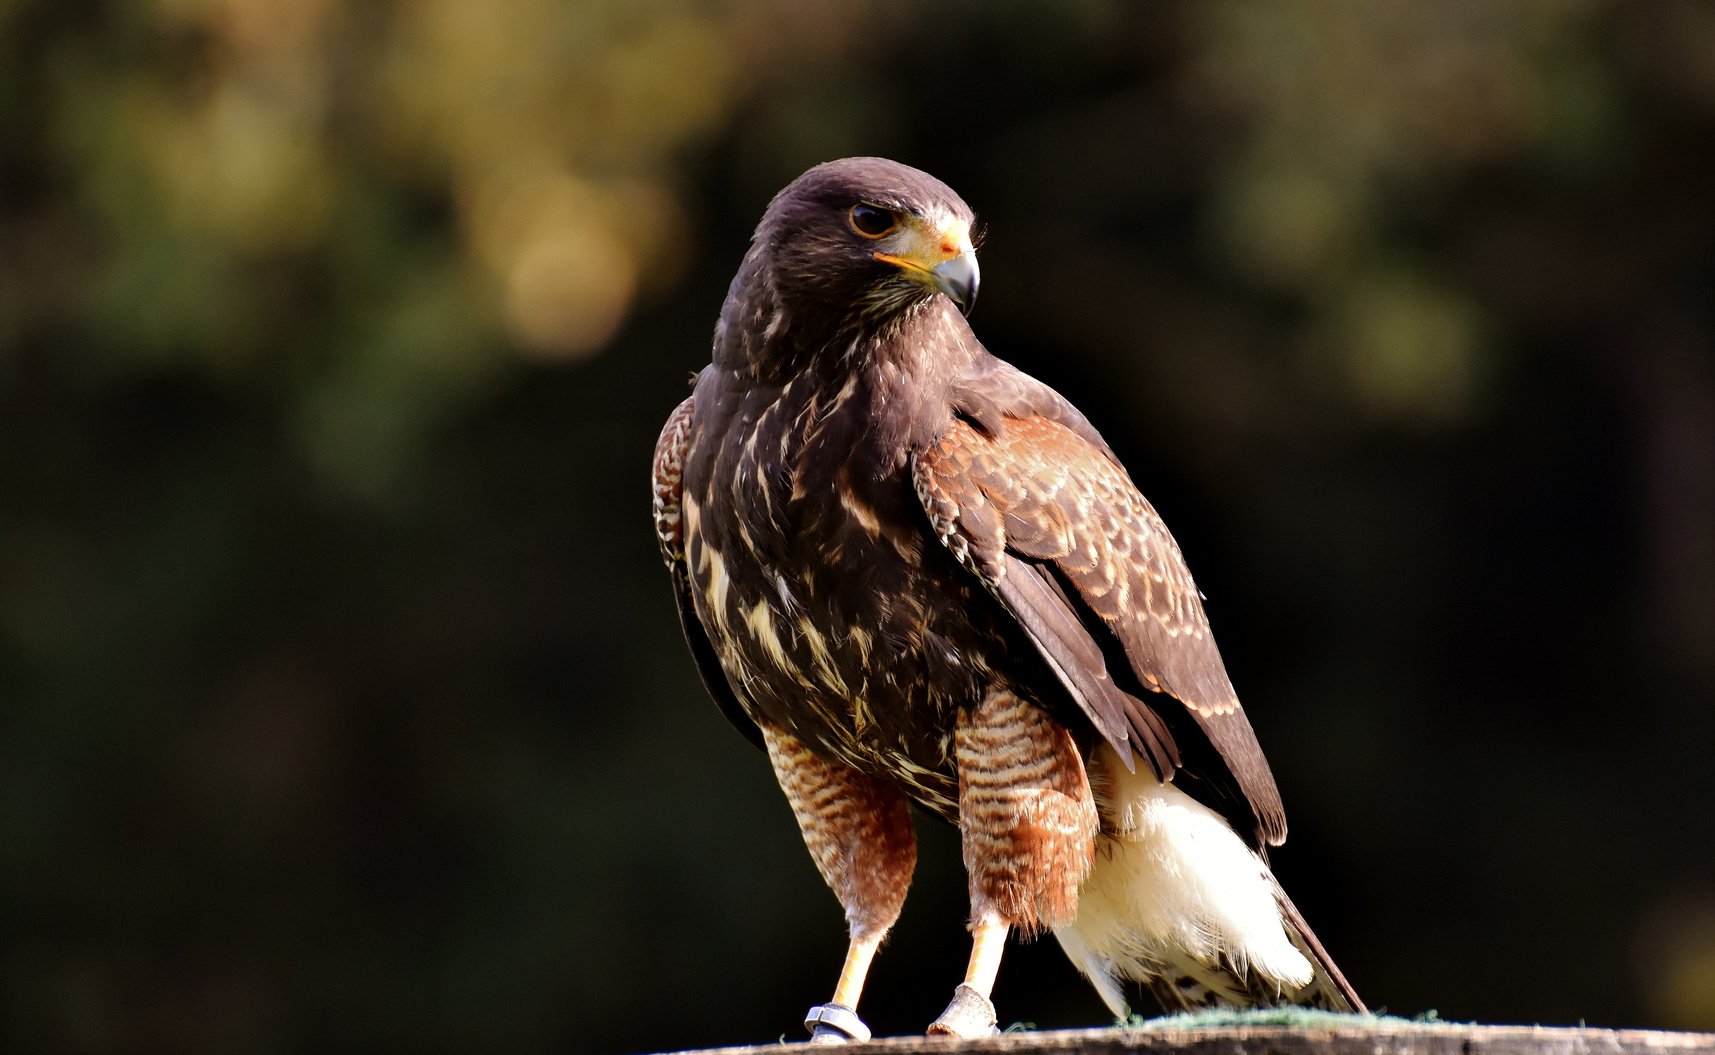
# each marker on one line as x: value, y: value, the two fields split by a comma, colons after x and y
x: 1173, y: 883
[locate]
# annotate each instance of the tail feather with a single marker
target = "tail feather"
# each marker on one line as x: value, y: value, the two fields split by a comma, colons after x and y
x: 1332, y: 991
x: 1178, y: 902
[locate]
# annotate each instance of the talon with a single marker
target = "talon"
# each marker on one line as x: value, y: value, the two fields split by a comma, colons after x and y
x: 834, y: 1024
x: 969, y: 1016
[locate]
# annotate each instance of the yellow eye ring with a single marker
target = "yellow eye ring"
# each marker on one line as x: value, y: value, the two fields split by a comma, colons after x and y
x: 872, y: 221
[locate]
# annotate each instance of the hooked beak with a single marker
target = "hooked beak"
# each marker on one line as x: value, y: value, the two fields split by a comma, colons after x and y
x: 940, y: 258
x: 958, y: 279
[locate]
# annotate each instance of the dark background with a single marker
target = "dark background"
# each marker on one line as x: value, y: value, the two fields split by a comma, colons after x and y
x: 341, y: 697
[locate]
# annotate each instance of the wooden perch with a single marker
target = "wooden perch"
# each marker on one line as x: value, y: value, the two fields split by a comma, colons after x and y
x: 1355, y: 1035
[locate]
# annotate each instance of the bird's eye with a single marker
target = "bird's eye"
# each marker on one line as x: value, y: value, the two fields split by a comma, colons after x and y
x: 872, y: 221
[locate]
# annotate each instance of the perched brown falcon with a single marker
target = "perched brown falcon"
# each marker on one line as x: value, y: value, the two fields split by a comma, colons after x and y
x: 913, y: 574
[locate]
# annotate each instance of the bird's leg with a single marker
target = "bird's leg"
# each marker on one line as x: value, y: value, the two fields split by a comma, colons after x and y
x: 837, y: 1020
x: 988, y: 941
x: 1029, y: 825
x: 858, y: 830
x: 971, y: 1013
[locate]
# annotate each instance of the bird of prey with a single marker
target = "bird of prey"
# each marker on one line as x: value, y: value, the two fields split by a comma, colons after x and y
x: 913, y: 574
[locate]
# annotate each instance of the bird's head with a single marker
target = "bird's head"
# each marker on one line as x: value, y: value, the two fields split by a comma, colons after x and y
x: 865, y: 239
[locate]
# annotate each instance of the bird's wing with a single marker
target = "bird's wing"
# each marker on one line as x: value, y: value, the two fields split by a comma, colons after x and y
x: 1025, y: 494
x: 670, y: 533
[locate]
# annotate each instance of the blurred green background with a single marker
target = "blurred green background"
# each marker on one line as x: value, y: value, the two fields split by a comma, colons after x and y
x: 342, y: 702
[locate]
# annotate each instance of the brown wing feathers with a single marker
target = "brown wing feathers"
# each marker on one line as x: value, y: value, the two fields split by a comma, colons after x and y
x: 1034, y: 594
x: 668, y: 466
x: 1041, y: 510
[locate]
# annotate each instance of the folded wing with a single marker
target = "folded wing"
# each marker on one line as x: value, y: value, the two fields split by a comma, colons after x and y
x: 1028, y: 497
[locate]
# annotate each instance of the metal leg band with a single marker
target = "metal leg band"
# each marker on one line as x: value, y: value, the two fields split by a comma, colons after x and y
x: 970, y: 1015
x: 834, y: 1023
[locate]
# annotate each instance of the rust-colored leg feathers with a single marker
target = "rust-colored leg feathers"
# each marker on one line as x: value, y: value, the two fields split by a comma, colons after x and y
x: 1029, y: 825
x: 858, y: 831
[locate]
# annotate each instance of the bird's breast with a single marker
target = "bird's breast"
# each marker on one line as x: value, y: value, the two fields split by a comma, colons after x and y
x: 836, y: 615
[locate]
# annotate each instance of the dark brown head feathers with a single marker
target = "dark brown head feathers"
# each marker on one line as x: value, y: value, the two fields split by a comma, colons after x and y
x: 811, y: 279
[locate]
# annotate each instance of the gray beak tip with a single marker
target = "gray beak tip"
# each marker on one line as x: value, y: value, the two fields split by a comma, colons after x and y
x: 958, y: 278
